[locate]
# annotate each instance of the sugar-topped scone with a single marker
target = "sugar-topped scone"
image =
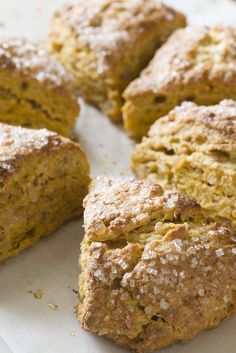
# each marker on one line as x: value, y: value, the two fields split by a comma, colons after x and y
x: 193, y: 150
x: 43, y: 180
x: 35, y: 90
x: 195, y: 64
x: 154, y: 270
x: 105, y: 44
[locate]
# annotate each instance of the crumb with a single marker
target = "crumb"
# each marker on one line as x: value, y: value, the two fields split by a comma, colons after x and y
x: 38, y: 294
x: 71, y: 333
x: 52, y: 305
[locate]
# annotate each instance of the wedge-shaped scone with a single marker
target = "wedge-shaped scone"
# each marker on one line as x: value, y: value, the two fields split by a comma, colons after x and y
x: 154, y: 269
x: 193, y: 150
x: 105, y: 44
x: 43, y: 180
x: 35, y: 90
x: 195, y: 64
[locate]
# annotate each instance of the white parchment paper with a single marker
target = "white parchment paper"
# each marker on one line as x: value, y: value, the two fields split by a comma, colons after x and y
x: 36, y: 288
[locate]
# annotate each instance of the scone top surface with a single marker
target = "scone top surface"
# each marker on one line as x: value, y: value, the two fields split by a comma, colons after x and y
x: 115, y: 207
x: 192, y: 55
x: 110, y: 28
x: 17, y: 143
x: 30, y: 58
x: 154, y: 270
x: 204, y: 128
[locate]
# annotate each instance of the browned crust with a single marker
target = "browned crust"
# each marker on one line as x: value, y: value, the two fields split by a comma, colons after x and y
x: 132, y: 203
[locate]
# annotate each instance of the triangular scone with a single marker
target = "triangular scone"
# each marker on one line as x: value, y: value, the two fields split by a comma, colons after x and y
x: 105, y: 44
x: 43, y: 180
x: 195, y: 64
x: 153, y: 269
x: 193, y: 150
x: 35, y: 90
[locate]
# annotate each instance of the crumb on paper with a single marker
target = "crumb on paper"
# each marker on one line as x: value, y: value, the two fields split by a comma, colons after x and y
x: 52, y: 305
x: 74, y: 291
x: 38, y: 294
x: 71, y: 333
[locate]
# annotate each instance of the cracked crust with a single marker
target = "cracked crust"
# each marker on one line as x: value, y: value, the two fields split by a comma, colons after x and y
x: 193, y: 150
x: 195, y: 64
x: 35, y: 90
x: 105, y: 44
x: 154, y: 269
x: 43, y: 180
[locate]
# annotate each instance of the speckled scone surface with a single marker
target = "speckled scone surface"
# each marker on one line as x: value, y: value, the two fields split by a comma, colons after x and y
x: 195, y: 64
x: 154, y: 270
x: 35, y: 90
x: 193, y: 150
x: 105, y: 44
x: 43, y: 180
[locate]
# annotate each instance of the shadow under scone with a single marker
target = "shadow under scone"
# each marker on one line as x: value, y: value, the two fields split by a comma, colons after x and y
x: 43, y: 180
x: 154, y: 269
x: 193, y: 150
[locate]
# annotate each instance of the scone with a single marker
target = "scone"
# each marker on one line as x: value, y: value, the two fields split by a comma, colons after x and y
x: 193, y: 150
x: 35, y: 90
x: 105, y: 44
x: 154, y: 269
x: 43, y: 180
x: 195, y: 64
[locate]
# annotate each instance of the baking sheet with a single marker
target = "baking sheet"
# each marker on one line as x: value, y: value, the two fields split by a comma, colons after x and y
x: 38, y: 287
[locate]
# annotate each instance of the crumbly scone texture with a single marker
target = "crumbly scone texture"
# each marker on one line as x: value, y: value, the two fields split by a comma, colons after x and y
x: 105, y: 44
x: 195, y: 64
x: 193, y: 150
x: 154, y: 269
x: 35, y: 90
x: 43, y: 180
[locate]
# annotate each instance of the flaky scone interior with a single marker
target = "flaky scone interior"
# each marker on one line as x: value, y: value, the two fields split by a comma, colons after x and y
x: 154, y: 269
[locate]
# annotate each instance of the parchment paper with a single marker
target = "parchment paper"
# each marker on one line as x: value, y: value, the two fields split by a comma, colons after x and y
x: 36, y: 288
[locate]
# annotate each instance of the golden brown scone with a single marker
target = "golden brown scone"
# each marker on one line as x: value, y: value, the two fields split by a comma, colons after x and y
x: 105, y: 44
x: 154, y: 269
x: 43, y: 180
x: 195, y: 64
x: 35, y: 90
x: 193, y: 150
